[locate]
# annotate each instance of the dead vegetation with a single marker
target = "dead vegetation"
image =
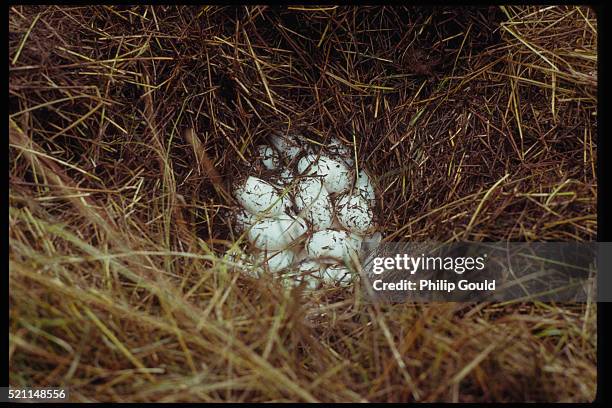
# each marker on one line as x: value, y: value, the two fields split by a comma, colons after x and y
x: 127, y: 124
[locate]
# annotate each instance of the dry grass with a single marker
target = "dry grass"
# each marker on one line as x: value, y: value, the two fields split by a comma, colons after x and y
x: 127, y: 125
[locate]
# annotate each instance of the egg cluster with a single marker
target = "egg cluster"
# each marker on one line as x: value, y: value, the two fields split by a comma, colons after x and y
x: 305, y: 212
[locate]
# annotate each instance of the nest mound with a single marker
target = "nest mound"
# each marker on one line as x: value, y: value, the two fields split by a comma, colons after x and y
x: 127, y: 125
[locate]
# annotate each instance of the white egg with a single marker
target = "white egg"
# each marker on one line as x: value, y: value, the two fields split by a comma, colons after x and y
x: 309, y: 266
x: 285, y: 177
x: 337, y: 274
x: 335, y: 218
x: 310, y: 279
x: 310, y: 282
x: 357, y: 240
x: 364, y: 187
x: 258, y: 196
x: 330, y: 244
x: 287, y: 145
x: 244, y: 219
x: 308, y: 272
x: 335, y: 174
x: 313, y: 202
x: 354, y: 213
x: 276, y: 233
x: 268, y: 156
x: 338, y: 149
x: 277, y: 261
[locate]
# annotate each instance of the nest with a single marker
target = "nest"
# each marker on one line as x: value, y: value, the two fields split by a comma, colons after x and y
x: 127, y: 125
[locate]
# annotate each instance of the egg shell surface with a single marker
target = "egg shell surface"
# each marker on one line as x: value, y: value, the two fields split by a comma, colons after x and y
x: 244, y: 219
x: 310, y: 266
x: 338, y: 149
x: 277, y: 261
x: 364, y: 187
x: 276, y: 233
x: 258, y: 196
x: 287, y: 145
x: 354, y: 213
x: 330, y: 244
x: 335, y: 174
x: 313, y: 202
x: 285, y: 177
x: 268, y: 157
x: 308, y: 272
x: 357, y: 240
x: 337, y: 274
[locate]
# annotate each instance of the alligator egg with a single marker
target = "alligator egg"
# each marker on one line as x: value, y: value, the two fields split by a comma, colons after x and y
x: 308, y: 272
x: 287, y: 145
x: 276, y: 233
x: 338, y: 149
x: 332, y: 244
x: 309, y: 266
x: 285, y: 178
x: 277, y: 261
x: 356, y: 239
x: 312, y: 200
x: 337, y: 274
x: 354, y: 213
x: 364, y: 187
x: 268, y: 156
x: 336, y: 176
x: 257, y: 196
